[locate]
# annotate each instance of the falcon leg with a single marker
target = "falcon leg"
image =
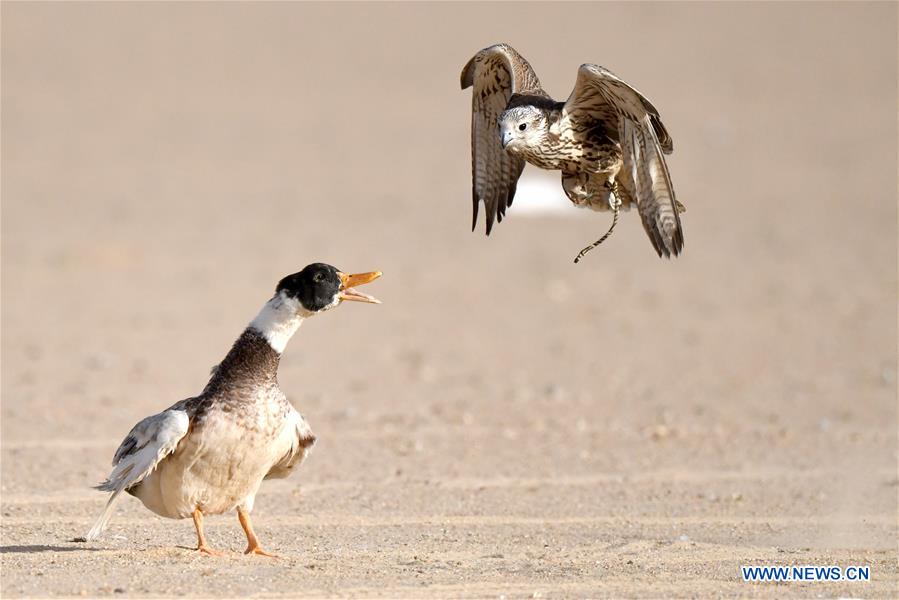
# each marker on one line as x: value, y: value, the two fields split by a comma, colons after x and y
x: 202, y: 547
x: 577, y: 188
x: 615, y: 205
x: 253, y: 546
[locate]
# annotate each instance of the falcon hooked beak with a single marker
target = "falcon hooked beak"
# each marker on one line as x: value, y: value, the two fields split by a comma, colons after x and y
x: 347, y: 283
x: 507, y: 136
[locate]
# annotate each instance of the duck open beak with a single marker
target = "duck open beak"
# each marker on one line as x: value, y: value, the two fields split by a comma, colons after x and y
x: 348, y: 282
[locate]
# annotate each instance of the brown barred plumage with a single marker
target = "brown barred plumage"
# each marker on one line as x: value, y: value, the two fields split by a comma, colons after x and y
x: 606, y: 136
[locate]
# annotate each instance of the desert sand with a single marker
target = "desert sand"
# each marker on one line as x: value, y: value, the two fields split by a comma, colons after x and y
x: 506, y: 424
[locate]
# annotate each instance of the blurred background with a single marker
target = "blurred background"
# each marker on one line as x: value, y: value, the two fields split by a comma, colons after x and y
x: 506, y: 420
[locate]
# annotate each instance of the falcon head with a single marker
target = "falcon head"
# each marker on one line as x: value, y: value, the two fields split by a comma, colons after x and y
x: 319, y: 287
x: 522, y: 126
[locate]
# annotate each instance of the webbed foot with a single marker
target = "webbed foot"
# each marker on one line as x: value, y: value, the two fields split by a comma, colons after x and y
x: 258, y: 550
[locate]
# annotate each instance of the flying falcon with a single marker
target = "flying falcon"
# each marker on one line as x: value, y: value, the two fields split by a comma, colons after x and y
x: 607, y: 139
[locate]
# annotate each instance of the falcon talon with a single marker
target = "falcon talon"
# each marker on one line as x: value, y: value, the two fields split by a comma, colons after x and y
x: 605, y: 134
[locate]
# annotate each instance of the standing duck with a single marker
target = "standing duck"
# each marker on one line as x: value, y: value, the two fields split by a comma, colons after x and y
x: 208, y: 455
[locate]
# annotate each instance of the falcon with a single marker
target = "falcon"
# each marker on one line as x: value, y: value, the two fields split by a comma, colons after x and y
x: 607, y: 139
x: 209, y: 454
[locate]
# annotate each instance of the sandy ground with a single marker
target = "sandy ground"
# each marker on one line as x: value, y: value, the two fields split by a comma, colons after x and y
x: 505, y: 424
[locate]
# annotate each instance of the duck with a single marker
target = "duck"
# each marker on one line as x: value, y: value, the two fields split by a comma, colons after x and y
x: 209, y: 454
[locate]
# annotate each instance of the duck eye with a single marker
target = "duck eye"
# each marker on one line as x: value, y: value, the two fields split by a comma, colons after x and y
x: 522, y: 127
x: 317, y: 278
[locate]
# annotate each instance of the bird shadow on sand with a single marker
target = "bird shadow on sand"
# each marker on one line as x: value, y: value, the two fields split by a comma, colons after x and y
x: 42, y: 548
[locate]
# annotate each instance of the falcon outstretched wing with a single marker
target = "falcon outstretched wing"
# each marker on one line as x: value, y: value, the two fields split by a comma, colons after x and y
x: 496, y: 73
x: 600, y: 96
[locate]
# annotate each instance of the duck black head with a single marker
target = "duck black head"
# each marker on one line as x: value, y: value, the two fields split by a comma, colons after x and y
x: 319, y: 287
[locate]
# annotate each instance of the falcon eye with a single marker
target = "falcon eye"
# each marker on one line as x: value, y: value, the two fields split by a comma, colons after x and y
x: 522, y: 127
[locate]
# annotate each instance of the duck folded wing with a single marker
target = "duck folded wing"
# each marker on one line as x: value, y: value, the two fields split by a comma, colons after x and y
x: 148, y: 443
x: 301, y: 439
